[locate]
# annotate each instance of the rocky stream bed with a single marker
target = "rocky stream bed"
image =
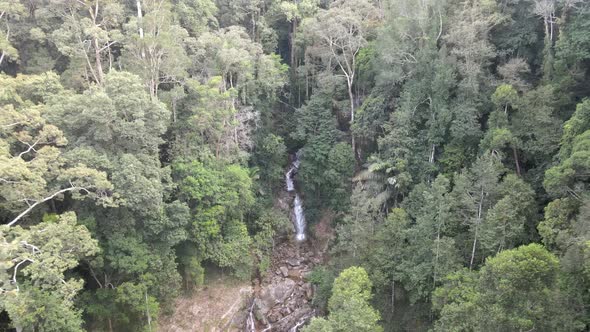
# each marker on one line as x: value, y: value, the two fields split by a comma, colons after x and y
x: 282, y: 298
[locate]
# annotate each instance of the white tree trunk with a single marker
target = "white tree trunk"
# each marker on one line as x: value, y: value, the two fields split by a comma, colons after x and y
x: 140, y: 24
x: 478, y: 221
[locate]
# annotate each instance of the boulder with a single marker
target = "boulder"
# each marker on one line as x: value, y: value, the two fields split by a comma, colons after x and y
x: 275, y: 316
x: 293, y: 262
x: 295, y: 274
x: 285, y: 311
x: 284, y: 271
x: 274, y: 294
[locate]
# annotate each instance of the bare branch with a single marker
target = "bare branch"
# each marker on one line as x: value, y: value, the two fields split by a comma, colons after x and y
x: 50, y: 197
x: 108, y: 45
x: 94, y: 276
x: 13, y: 280
x: 34, y: 249
x: 31, y: 148
x: 11, y: 124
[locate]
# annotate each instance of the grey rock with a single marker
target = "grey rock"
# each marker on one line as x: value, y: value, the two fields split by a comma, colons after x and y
x: 293, y: 262
x: 284, y: 271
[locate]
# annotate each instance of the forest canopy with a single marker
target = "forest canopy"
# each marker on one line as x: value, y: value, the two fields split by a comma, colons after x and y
x: 445, y: 143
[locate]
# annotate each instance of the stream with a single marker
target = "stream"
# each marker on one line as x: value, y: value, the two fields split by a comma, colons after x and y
x: 281, y: 300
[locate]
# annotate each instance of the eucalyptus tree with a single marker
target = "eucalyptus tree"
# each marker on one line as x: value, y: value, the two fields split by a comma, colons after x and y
x: 295, y: 12
x: 9, y: 12
x: 87, y: 35
x: 155, y: 46
x: 32, y: 166
x: 495, y: 209
x: 337, y: 35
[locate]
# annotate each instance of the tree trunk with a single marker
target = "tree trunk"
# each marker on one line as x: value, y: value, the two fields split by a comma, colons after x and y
x: 551, y: 19
x: 437, y: 253
x: 473, y: 249
x: 351, y: 97
x: 153, y: 88
x: 479, y: 213
x: 140, y: 24
x: 7, y: 36
x: 292, y: 42
x: 515, y: 153
x: 99, y: 72
x: 174, y: 109
x: 432, y: 152
x: 392, y: 296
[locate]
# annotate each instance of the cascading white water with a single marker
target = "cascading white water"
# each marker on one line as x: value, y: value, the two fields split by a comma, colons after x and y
x: 299, y: 219
x: 250, y: 325
x: 298, y: 203
x: 289, y: 179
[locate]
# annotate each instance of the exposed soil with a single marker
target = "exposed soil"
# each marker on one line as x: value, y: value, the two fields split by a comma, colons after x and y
x: 217, y: 307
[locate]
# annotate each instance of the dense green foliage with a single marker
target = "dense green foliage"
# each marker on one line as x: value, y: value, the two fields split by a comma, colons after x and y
x: 144, y: 143
x: 349, y: 305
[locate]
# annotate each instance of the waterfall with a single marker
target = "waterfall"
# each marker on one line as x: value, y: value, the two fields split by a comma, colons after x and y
x: 298, y: 203
x: 299, y: 219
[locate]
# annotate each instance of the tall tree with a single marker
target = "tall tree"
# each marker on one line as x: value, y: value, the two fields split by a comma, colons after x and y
x: 8, y: 12
x: 338, y: 34
x: 155, y: 46
x: 89, y: 31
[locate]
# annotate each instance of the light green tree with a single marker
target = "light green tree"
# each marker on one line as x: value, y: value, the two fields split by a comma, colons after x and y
x: 32, y: 166
x: 516, y: 290
x: 8, y: 12
x: 155, y: 46
x: 37, y: 291
x: 349, y: 305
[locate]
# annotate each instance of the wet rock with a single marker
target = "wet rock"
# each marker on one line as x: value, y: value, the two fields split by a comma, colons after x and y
x: 283, y: 298
x: 297, y: 317
x: 293, y: 262
x: 274, y: 317
x: 296, y: 274
x: 284, y: 271
x: 283, y: 204
x: 285, y: 311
